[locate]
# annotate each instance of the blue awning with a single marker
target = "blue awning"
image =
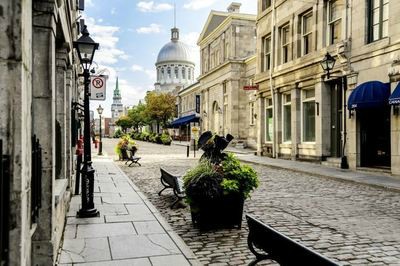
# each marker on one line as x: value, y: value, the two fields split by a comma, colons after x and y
x: 395, y: 97
x: 184, y: 120
x: 369, y: 95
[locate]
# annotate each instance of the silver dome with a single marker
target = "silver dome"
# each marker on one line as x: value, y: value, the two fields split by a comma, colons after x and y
x: 174, y: 51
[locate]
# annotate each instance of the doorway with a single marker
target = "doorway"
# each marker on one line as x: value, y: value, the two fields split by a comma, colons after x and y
x: 374, y: 137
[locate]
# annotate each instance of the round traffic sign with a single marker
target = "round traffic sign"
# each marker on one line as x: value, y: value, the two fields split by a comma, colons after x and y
x: 97, y: 83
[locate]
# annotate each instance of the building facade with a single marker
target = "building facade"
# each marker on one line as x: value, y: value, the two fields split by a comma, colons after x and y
x: 38, y: 95
x: 306, y: 113
x: 227, y: 53
x: 175, y: 68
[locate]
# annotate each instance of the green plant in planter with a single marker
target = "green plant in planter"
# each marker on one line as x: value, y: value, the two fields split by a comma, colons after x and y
x: 125, y: 144
x: 166, y: 139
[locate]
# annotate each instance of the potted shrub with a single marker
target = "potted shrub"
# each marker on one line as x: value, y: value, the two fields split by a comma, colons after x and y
x: 125, y: 144
x: 166, y: 139
x: 218, y: 186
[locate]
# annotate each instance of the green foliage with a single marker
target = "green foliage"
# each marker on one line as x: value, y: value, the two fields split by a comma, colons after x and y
x: 166, y: 139
x: 138, y: 116
x: 124, y: 122
x: 242, y: 177
x: 125, y: 143
x: 202, y: 182
x: 208, y: 181
x: 160, y: 107
x: 118, y: 133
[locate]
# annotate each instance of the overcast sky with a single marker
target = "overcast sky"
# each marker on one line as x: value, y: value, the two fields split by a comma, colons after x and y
x: 131, y: 33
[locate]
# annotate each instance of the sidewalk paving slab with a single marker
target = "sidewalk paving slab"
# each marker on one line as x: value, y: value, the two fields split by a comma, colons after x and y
x: 129, y: 231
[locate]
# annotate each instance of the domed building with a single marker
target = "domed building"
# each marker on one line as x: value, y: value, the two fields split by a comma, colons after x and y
x: 175, y: 68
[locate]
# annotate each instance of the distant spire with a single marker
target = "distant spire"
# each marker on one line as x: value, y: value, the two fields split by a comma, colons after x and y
x: 116, y: 91
x: 174, y: 14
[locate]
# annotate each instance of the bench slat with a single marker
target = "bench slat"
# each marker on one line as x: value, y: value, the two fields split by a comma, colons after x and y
x: 281, y: 248
x: 175, y: 182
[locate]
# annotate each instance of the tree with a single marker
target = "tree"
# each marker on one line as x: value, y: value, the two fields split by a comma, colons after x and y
x: 137, y: 115
x: 160, y: 107
x: 124, y: 122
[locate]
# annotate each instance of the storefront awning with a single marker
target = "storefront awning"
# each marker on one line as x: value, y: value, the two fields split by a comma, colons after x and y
x: 395, y: 97
x: 369, y: 95
x: 184, y: 120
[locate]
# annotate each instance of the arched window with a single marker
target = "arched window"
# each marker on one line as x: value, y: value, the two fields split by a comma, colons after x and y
x: 183, y: 72
x: 169, y: 72
x: 176, y: 72
x: 162, y: 73
x: 189, y: 73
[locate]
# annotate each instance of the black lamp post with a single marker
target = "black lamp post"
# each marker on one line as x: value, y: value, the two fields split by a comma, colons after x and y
x: 85, y: 47
x: 100, y: 111
x: 327, y: 63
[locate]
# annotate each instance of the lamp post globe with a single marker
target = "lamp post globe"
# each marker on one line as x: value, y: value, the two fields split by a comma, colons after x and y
x: 327, y: 63
x: 85, y: 48
x: 100, y: 111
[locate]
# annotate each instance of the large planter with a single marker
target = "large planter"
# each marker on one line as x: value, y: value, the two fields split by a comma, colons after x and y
x: 225, y: 212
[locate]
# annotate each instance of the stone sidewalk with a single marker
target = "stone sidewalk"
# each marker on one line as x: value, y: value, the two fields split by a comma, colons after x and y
x: 129, y: 231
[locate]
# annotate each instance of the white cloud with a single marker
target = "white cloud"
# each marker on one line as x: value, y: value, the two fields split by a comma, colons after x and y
x: 198, y: 4
x: 106, y: 36
x: 152, y: 28
x: 150, y: 6
x: 89, y: 3
x: 136, y: 68
x: 151, y: 74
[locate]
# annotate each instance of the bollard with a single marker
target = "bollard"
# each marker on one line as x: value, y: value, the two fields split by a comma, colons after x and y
x: 194, y: 148
x: 187, y: 150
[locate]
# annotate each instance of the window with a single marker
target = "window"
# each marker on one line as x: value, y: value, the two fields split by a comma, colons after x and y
x: 335, y: 8
x: 265, y: 4
x: 306, y: 32
x: 189, y: 73
x: 176, y: 72
x: 285, y: 41
x: 226, y: 50
x: 378, y: 19
x: 169, y: 72
x: 308, y: 104
x: 162, y: 73
x: 287, y: 118
x: 269, y: 123
x: 183, y: 72
x: 266, y: 53
x: 252, y: 113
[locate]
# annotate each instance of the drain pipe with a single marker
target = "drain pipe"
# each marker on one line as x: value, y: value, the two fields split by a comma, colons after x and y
x: 274, y: 118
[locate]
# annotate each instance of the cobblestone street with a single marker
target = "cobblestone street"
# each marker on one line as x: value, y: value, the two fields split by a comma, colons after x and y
x: 352, y: 223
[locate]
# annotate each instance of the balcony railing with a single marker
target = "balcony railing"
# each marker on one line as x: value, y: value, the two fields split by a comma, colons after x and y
x: 36, y: 182
x: 4, y: 205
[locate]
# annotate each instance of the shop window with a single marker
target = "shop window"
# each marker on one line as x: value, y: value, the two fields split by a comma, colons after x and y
x: 308, y: 109
x: 287, y: 117
x: 378, y: 19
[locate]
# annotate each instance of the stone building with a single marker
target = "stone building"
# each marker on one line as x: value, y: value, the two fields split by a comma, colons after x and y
x: 304, y: 113
x: 38, y: 121
x: 227, y: 49
x: 175, y: 68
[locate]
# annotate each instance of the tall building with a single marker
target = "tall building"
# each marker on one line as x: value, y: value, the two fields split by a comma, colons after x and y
x: 306, y: 113
x: 175, y: 68
x: 227, y: 52
x: 117, y: 109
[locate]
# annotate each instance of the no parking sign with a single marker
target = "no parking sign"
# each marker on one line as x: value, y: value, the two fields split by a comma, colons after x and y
x: 98, y: 88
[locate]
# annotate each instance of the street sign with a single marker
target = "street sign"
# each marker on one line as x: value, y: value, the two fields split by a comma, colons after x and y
x: 198, y: 104
x: 98, y: 88
x: 250, y: 87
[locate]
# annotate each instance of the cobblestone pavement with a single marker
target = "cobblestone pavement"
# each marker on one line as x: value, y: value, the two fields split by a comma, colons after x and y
x: 351, y: 223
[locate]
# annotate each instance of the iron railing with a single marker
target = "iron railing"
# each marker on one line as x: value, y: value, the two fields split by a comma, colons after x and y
x: 36, y: 182
x: 4, y: 205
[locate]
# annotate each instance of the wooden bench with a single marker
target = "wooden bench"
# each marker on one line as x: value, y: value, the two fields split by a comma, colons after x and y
x: 280, y: 248
x: 129, y: 156
x: 175, y: 182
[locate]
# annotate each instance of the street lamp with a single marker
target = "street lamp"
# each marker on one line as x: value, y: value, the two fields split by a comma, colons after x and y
x: 327, y: 63
x: 100, y: 111
x: 86, y: 47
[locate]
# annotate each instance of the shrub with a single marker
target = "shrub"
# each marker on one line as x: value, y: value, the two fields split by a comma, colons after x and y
x: 125, y: 143
x: 118, y: 133
x: 166, y: 139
